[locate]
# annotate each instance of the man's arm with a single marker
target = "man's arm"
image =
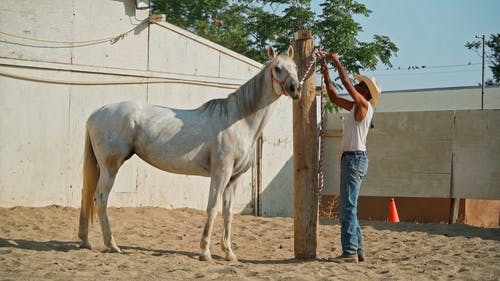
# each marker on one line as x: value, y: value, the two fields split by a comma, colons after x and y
x: 362, y: 103
x: 332, y: 93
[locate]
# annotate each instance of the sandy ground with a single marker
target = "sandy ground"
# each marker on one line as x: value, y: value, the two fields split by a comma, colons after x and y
x: 160, y: 244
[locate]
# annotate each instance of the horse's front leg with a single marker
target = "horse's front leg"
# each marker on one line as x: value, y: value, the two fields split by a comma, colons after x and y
x: 218, y: 182
x: 227, y: 213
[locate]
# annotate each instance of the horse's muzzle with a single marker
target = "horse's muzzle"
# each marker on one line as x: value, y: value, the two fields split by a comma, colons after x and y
x: 294, y: 89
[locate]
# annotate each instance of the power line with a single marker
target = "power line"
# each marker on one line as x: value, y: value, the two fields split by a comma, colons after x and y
x: 65, y: 44
x: 423, y: 67
x: 412, y: 73
x: 100, y: 40
x: 137, y: 81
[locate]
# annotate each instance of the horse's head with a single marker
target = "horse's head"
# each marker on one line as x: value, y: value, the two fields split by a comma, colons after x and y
x: 284, y: 74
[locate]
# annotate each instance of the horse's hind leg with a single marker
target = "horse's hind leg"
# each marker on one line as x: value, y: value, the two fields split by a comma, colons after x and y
x: 227, y: 213
x: 83, y: 232
x: 104, y: 186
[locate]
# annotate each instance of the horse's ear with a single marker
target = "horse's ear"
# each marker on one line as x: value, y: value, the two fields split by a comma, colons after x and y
x: 270, y: 52
x: 290, y: 51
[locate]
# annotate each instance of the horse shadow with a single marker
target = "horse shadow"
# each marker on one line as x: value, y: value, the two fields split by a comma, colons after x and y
x: 193, y: 255
x: 67, y: 246
x: 158, y: 252
x: 51, y: 245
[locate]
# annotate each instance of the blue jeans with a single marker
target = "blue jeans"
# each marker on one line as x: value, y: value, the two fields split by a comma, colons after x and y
x: 354, y: 166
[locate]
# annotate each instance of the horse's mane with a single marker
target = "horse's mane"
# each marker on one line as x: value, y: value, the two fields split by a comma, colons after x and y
x: 245, y: 96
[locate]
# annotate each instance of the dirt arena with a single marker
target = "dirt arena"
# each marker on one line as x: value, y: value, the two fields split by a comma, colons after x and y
x: 161, y: 244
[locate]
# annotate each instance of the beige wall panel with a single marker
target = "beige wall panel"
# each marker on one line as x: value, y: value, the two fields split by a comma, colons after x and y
x: 175, y: 191
x: 47, y: 20
x: 430, y: 101
x: 333, y: 150
x: 168, y: 56
x: 33, y: 141
x: 233, y: 68
x: 277, y: 162
x: 97, y: 19
x: 243, y: 198
x: 439, y: 99
x: 176, y: 53
x: 183, y: 96
x: 331, y: 165
x: 476, y: 155
x: 492, y: 98
x: 408, y: 156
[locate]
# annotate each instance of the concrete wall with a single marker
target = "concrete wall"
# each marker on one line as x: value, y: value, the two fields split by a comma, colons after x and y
x: 42, y: 124
x: 440, y: 154
x: 459, y: 98
x: 412, y: 148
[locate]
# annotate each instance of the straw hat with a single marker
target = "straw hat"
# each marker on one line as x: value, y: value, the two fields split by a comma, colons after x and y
x: 373, y: 87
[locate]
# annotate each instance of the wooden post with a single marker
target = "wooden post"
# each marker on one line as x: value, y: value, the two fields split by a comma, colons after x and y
x: 305, y: 155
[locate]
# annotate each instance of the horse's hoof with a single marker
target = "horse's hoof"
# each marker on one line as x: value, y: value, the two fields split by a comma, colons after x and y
x: 205, y: 258
x: 231, y: 258
x: 85, y: 245
x: 115, y: 249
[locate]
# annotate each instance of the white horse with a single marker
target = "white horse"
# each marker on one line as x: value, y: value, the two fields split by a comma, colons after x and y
x: 216, y: 140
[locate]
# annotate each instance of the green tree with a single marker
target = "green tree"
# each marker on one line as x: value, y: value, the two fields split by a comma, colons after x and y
x: 492, y: 56
x: 216, y: 20
x: 249, y: 27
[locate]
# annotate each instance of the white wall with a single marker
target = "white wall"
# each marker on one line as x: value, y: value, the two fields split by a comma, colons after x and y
x: 460, y: 98
x: 42, y: 124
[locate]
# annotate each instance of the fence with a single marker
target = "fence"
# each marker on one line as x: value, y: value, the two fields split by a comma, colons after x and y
x: 441, y: 154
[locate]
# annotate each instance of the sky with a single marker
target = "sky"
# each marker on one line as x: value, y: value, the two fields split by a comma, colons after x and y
x: 430, y: 33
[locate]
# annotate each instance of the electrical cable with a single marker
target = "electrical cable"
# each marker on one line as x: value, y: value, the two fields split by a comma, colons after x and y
x: 129, y: 82
x: 101, y: 40
x: 424, y: 73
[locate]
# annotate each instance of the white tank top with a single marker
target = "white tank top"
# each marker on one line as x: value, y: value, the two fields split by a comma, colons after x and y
x: 355, y: 132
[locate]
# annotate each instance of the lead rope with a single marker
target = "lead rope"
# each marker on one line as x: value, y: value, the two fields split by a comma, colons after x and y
x: 319, y: 54
x: 309, y: 67
x: 322, y: 130
x: 322, y: 137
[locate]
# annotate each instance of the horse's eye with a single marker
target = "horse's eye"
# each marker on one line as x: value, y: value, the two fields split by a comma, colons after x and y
x: 277, y: 69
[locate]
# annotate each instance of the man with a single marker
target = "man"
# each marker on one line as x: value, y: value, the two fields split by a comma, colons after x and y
x: 354, y: 163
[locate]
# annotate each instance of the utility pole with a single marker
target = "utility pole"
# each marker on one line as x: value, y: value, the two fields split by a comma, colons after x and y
x: 482, y: 73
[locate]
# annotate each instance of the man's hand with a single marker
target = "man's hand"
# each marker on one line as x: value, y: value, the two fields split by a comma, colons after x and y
x: 325, y: 71
x: 334, y: 56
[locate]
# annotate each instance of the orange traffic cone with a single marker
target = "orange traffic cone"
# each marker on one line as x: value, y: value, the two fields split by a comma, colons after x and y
x: 393, y: 212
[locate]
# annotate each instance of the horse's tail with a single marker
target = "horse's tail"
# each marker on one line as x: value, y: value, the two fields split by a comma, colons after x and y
x: 90, y: 175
